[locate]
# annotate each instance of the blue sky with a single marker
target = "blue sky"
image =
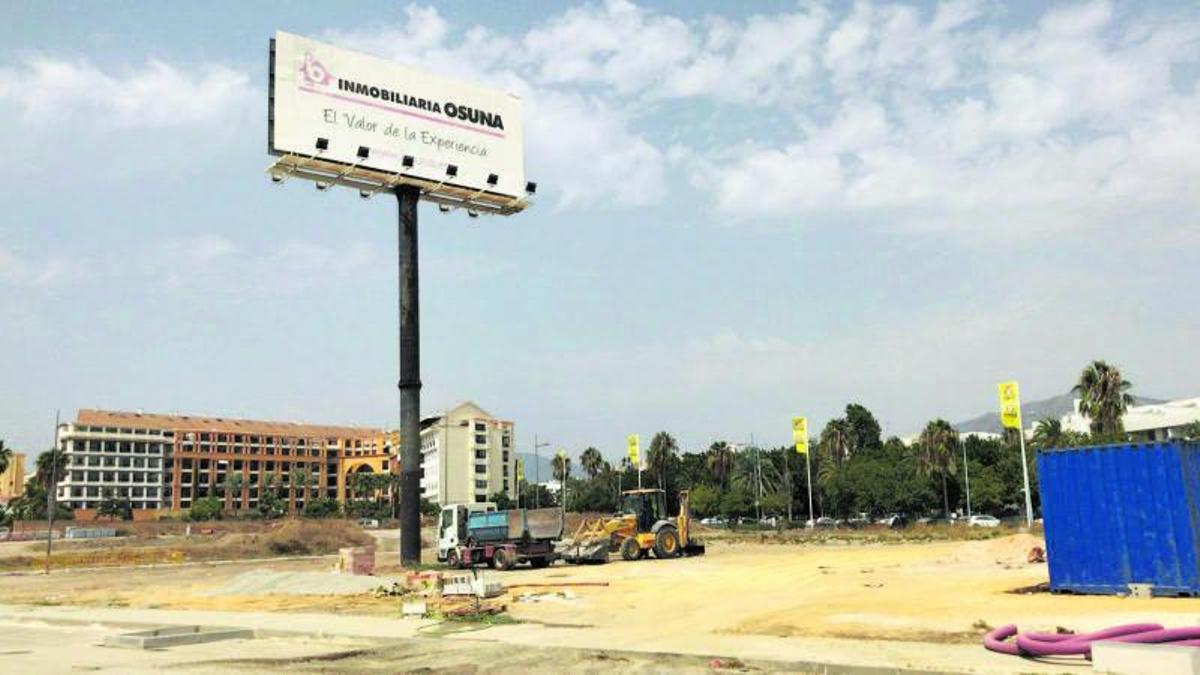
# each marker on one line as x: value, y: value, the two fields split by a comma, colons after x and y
x: 742, y: 216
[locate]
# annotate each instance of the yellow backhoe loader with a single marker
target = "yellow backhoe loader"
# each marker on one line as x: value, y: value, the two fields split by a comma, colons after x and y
x: 641, y: 526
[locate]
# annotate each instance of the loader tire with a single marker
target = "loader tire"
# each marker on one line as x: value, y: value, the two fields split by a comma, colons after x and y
x: 666, y: 543
x: 630, y: 549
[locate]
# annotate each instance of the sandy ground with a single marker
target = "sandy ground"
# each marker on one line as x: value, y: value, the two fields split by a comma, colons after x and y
x: 910, y: 605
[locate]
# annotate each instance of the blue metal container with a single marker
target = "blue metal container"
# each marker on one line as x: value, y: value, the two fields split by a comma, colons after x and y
x: 1122, y: 514
x: 490, y: 526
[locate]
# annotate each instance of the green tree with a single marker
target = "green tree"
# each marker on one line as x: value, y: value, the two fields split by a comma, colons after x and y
x: 864, y: 428
x: 50, y: 467
x: 705, y: 500
x: 300, y: 479
x: 737, y: 502
x: 502, y: 500
x: 1192, y: 431
x: 560, y: 464
x: 322, y: 507
x: 1048, y: 433
x: 592, y: 462
x: 720, y: 462
x: 774, y: 503
x: 837, y: 440
x: 939, y: 448
x: 112, y: 506
x: 5, y: 456
x: 208, y: 508
x: 662, y: 453
x: 234, y: 480
x: 1103, y: 398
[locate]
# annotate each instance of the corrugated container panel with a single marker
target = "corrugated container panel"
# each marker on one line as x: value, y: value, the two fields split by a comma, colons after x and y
x: 1116, y: 515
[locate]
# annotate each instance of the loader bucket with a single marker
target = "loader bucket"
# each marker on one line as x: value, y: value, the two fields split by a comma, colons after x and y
x: 693, y: 548
x: 585, y: 552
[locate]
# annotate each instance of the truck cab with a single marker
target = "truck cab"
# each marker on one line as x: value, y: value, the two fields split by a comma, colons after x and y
x: 452, y: 525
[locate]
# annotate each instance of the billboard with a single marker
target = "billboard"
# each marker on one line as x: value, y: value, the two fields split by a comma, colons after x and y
x: 377, y: 119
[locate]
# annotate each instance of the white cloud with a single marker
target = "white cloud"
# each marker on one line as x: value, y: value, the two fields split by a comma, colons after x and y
x: 47, y: 273
x: 154, y: 95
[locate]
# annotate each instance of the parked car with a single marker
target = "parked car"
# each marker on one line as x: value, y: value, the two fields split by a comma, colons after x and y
x: 858, y: 522
x: 983, y: 521
x: 824, y: 523
x: 894, y: 521
x: 770, y: 521
x: 713, y: 521
x: 368, y: 523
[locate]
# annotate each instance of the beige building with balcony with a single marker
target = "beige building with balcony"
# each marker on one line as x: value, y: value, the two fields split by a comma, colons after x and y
x: 467, y: 455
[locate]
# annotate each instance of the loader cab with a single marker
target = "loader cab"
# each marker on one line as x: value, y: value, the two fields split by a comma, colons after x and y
x: 452, y: 524
x: 648, y: 506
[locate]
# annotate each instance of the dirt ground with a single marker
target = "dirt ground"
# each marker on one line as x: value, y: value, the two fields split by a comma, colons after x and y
x: 742, y: 598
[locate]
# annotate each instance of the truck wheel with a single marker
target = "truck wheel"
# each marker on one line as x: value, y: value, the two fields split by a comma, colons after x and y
x: 630, y: 549
x: 452, y: 559
x: 502, y: 559
x: 666, y: 543
x: 539, y: 563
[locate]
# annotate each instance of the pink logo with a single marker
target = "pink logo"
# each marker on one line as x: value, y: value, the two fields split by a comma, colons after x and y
x: 313, y: 72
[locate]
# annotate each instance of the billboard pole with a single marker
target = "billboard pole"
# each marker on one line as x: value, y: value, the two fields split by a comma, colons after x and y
x: 407, y: 197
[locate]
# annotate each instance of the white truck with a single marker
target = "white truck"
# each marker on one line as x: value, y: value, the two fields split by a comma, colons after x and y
x: 474, y: 534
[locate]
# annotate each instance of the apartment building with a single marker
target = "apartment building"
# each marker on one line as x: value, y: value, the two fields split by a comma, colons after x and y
x: 467, y: 455
x: 12, y: 479
x: 167, y: 462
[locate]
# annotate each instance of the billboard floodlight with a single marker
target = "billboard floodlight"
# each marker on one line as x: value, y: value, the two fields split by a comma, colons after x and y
x: 452, y: 170
x: 472, y: 213
x: 531, y: 187
x: 322, y: 143
x: 443, y: 208
x: 492, y: 179
x: 363, y: 152
x: 407, y: 162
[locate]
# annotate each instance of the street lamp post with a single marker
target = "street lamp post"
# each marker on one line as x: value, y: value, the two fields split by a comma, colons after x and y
x: 537, y: 472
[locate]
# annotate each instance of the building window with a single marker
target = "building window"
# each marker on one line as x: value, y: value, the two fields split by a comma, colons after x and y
x: 481, y: 468
x: 480, y: 439
x: 481, y: 485
x: 481, y: 454
x: 480, y: 426
x: 505, y: 441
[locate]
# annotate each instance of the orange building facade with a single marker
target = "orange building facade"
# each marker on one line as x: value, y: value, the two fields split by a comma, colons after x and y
x: 165, y: 463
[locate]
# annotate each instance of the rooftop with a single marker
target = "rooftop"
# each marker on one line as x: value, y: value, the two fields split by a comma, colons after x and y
x: 178, y: 422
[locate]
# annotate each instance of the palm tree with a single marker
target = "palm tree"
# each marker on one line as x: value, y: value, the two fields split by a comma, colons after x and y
x: 301, y: 477
x: 1192, y: 431
x: 49, y: 468
x: 233, y: 489
x: 1048, y: 433
x: 561, y: 465
x: 720, y: 462
x: 837, y: 438
x: 5, y: 457
x: 938, y: 446
x: 592, y: 462
x: 663, y: 449
x: 1103, y: 398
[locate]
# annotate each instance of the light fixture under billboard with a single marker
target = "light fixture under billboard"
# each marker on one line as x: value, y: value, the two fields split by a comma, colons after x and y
x: 340, y: 117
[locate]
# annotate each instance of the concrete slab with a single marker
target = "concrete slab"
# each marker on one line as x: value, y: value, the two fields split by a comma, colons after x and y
x: 1123, y: 658
x: 172, y: 636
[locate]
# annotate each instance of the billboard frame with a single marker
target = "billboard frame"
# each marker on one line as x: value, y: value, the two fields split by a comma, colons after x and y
x: 326, y: 172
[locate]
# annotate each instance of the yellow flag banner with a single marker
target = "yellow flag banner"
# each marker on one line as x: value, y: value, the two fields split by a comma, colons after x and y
x: 800, y: 434
x: 633, y: 444
x: 1010, y: 405
x: 520, y: 471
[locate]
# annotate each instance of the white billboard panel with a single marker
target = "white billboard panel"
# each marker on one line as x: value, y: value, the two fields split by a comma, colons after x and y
x: 356, y: 101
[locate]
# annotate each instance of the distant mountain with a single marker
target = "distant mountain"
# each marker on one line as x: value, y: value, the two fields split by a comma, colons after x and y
x: 544, y: 467
x: 1033, y: 411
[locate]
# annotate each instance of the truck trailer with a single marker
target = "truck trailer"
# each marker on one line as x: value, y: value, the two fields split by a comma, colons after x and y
x: 469, y: 535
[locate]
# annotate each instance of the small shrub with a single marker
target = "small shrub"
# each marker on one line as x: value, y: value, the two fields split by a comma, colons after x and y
x: 300, y: 537
x: 208, y: 508
x: 325, y: 507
